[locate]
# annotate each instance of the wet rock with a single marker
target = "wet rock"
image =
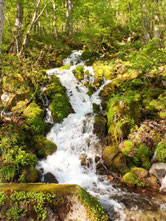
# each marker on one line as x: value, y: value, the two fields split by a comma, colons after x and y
x: 83, y: 159
x: 96, y: 108
x: 113, y: 158
x: 97, y: 159
x: 100, y: 124
x: 158, y: 170
x: 50, y: 178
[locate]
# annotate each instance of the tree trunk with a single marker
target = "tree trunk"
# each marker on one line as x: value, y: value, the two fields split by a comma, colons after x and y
x: 2, y: 19
x: 55, y: 19
x: 145, y: 21
x: 69, y: 12
x: 18, y: 26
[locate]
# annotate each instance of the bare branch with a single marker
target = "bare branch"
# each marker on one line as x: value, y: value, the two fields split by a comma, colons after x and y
x: 42, y: 11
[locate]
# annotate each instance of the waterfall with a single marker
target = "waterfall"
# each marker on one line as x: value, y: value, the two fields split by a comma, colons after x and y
x: 74, y: 136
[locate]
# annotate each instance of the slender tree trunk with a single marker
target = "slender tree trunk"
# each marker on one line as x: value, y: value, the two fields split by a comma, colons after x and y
x: 2, y: 19
x: 18, y: 26
x: 55, y: 18
x: 145, y: 21
x: 69, y: 13
x: 156, y: 31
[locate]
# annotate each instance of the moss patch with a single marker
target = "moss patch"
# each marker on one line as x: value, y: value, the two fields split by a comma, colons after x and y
x: 43, y: 147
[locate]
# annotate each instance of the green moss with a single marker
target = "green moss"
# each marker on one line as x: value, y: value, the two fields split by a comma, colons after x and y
x: 95, y: 211
x: 161, y: 152
x: 79, y: 72
x: 113, y: 159
x: 128, y: 148
x: 162, y: 114
x: 55, y: 87
x: 34, y: 118
x: 143, y: 153
x: 60, y: 107
x: 96, y: 108
x: 65, y: 67
x: 32, y: 200
x: 29, y: 175
x: 139, y: 172
x: 123, y: 112
x: 43, y: 147
x: 131, y: 179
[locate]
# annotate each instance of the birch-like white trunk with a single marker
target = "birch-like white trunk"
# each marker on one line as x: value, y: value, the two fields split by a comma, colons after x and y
x: 2, y: 19
x: 18, y: 26
x: 69, y: 12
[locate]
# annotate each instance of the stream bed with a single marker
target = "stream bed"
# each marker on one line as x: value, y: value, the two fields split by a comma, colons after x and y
x: 74, y: 137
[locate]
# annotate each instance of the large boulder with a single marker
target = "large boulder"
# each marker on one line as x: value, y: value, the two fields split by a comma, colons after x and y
x: 159, y: 170
x: 48, y: 202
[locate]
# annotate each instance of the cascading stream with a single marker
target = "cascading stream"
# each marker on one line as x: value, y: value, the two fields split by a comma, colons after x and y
x: 74, y: 136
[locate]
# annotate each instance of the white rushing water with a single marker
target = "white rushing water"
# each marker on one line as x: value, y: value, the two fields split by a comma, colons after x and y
x: 74, y: 136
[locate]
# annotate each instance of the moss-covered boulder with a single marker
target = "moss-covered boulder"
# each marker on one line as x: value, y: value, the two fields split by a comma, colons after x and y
x: 128, y: 148
x: 79, y: 72
x: 29, y: 175
x: 48, y: 202
x: 139, y: 172
x: 54, y: 87
x: 130, y: 179
x: 34, y: 118
x: 60, y: 107
x: 123, y: 113
x: 113, y: 158
x: 43, y: 147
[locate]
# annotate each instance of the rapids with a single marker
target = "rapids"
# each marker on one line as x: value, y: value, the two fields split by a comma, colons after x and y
x: 74, y: 136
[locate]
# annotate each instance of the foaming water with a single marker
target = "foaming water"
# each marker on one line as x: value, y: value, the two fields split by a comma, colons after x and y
x: 74, y: 136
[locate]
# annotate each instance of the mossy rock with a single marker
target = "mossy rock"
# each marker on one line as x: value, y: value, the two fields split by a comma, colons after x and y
x: 54, y: 87
x: 128, y: 148
x: 34, y: 118
x: 43, y: 147
x: 65, y: 67
x: 130, y: 179
x: 161, y: 152
x: 139, y: 172
x: 143, y: 154
x: 113, y: 158
x: 60, y: 107
x: 49, y: 201
x: 79, y: 72
x: 29, y: 175
x: 100, y: 126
